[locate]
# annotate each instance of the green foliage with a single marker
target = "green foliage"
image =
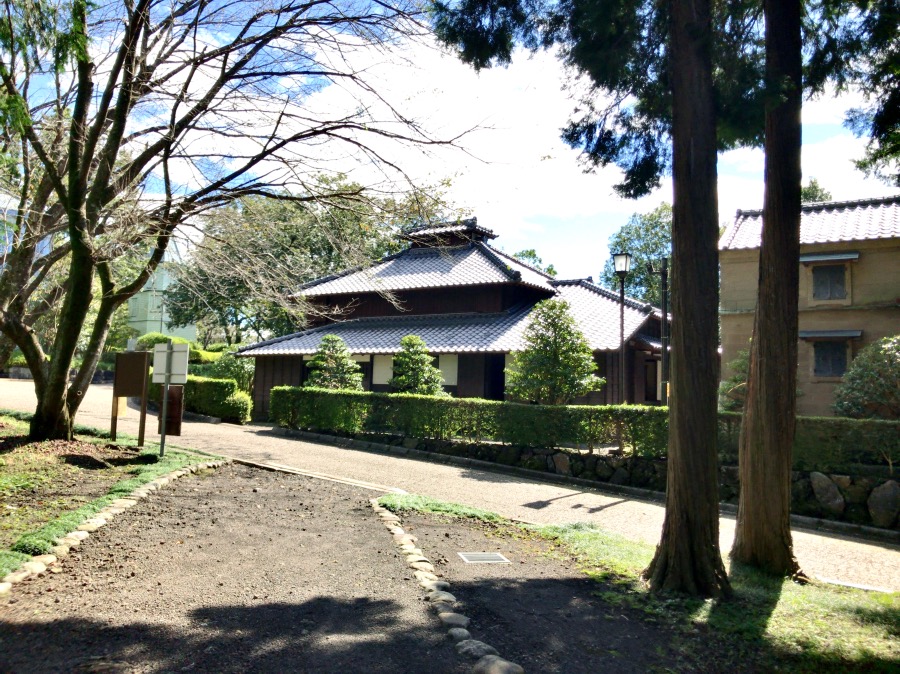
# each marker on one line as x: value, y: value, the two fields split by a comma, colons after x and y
x: 644, y: 429
x: 119, y: 330
x: 231, y: 367
x: 814, y: 193
x: 332, y: 366
x: 825, y: 444
x: 648, y: 238
x: 148, y: 341
x: 413, y: 369
x: 529, y: 256
x: 733, y: 389
x: 17, y: 359
x: 871, y: 386
x: 213, y: 397
x: 557, y: 364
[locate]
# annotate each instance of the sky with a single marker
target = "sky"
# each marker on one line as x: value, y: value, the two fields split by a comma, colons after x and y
x: 519, y: 179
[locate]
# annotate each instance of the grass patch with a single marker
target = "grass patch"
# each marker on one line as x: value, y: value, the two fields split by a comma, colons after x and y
x: 771, y: 624
x: 44, y: 496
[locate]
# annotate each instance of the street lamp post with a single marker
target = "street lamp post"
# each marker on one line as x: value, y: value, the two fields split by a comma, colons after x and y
x: 663, y: 272
x: 622, y: 264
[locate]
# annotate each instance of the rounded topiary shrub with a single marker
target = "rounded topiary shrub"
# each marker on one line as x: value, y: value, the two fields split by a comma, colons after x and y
x: 871, y: 386
x: 151, y: 339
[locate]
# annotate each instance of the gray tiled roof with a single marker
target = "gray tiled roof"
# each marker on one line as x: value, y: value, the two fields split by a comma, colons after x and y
x: 469, y: 226
x: 595, y: 310
x: 826, y: 222
x: 418, y: 268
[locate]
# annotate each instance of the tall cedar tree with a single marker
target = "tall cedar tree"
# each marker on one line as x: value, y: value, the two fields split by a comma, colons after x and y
x: 661, y: 55
x: 557, y: 363
x: 763, y: 534
x: 333, y: 367
x: 414, y: 371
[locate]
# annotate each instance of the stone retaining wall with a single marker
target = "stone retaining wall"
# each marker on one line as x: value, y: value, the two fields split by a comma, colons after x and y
x: 869, y: 500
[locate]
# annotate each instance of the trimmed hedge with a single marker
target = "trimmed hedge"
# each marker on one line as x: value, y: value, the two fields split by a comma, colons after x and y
x: 471, y: 419
x: 822, y: 443
x: 214, y: 397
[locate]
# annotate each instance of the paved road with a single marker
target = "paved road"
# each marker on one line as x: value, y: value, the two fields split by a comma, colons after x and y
x: 821, y: 555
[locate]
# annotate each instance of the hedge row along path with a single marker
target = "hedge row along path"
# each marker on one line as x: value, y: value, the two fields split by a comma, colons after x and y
x: 825, y: 556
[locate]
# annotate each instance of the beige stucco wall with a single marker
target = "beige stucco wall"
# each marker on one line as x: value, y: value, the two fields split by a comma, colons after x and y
x: 871, y: 306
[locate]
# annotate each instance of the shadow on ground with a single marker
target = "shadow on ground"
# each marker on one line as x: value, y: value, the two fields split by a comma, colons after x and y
x: 319, y: 635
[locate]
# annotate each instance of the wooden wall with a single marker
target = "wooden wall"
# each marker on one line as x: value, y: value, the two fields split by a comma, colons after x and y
x: 273, y: 371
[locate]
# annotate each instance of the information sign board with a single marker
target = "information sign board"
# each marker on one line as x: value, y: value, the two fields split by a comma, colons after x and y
x: 178, y: 365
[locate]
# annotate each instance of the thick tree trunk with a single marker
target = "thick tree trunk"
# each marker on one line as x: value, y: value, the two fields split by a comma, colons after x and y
x: 687, y: 558
x: 763, y: 536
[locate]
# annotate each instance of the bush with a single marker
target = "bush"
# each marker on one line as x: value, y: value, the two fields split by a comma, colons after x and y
x: 413, y: 369
x: 151, y: 339
x: 825, y: 444
x: 557, y: 363
x: 733, y: 390
x: 444, y: 418
x: 17, y: 359
x: 213, y: 397
x: 230, y: 367
x: 871, y: 386
x: 332, y: 367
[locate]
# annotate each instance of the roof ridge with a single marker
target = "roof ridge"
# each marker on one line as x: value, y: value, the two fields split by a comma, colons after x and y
x: 513, y: 258
x: 645, y: 307
x: 829, y: 205
x: 512, y: 274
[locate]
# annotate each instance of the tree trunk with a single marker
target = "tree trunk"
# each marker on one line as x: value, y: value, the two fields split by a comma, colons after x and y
x: 763, y: 536
x: 687, y: 558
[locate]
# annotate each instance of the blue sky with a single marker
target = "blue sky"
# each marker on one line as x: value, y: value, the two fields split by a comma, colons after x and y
x: 522, y: 181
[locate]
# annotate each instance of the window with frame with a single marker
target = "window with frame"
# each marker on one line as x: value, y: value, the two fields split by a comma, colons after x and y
x: 830, y: 359
x: 829, y: 282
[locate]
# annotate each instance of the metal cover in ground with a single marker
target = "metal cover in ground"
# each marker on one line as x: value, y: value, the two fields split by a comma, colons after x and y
x: 483, y: 558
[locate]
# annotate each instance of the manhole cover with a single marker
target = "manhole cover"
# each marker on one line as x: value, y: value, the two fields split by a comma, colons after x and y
x: 483, y: 558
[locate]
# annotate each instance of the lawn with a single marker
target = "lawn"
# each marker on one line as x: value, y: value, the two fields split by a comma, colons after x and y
x: 48, y: 488
x: 770, y: 624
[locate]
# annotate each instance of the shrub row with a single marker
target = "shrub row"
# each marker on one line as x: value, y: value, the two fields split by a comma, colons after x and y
x: 471, y: 419
x: 214, y: 397
x: 822, y: 443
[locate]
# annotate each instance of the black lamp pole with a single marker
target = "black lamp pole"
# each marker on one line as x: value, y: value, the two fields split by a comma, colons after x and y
x: 663, y: 272
x: 622, y: 264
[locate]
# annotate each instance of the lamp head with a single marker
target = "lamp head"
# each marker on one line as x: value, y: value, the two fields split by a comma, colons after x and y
x: 622, y: 264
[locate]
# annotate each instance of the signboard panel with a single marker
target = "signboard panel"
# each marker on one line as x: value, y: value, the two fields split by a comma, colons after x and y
x: 179, y: 369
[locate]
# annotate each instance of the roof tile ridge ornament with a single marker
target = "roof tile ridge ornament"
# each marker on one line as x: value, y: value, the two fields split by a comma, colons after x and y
x: 488, y: 252
x: 644, y: 307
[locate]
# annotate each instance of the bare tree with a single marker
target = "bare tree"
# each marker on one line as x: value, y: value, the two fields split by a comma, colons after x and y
x: 123, y: 121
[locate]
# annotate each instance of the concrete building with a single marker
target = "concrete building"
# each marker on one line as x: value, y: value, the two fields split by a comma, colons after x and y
x: 849, y: 288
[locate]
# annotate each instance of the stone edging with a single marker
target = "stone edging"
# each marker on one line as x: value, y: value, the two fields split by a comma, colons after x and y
x: 800, y: 521
x: 39, y: 564
x: 437, y: 593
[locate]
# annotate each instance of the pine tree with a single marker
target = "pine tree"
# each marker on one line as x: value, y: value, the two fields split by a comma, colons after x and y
x: 413, y: 369
x: 332, y: 367
x: 556, y: 364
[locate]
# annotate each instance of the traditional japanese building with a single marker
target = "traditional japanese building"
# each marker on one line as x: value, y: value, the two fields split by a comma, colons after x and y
x: 471, y: 303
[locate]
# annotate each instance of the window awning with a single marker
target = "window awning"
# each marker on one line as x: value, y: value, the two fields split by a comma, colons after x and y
x: 834, y: 335
x: 829, y: 257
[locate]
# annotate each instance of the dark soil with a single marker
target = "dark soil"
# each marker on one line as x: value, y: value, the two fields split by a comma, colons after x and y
x: 237, y: 571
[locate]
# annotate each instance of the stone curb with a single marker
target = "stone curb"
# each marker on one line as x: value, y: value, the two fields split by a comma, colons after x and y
x: 439, y: 598
x: 40, y: 564
x: 800, y: 521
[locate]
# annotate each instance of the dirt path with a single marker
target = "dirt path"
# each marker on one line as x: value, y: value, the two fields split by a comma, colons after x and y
x: 822, y: 555
x: 235, y: 571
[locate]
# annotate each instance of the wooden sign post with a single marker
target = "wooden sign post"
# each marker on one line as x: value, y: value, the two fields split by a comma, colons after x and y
x: 130, y: 381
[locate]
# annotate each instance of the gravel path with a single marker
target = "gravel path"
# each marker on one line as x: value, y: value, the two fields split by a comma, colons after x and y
x: 822, y: 555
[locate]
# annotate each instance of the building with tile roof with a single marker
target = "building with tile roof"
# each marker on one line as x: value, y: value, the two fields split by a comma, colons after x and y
x: 849, y: 288
x: 471, y: 303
